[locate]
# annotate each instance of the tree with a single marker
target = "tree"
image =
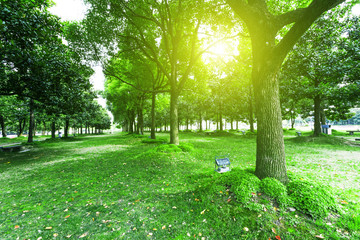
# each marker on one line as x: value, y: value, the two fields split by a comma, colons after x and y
x: 129, y: 67
x: 325, y: 59
x: 264, y: 20
x: 166, y: 32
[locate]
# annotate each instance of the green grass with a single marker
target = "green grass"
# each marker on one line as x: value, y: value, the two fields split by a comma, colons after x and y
x: 120, y: 187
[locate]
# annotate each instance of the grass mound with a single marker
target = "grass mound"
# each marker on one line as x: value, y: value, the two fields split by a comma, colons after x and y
x: 321, y: 140
x: 168, y: 148
x: 155, y: 141
x: 276, y: 190
x: 312, y: 198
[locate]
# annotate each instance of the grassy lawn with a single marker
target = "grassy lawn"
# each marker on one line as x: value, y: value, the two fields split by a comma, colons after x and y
x: 117, y: 187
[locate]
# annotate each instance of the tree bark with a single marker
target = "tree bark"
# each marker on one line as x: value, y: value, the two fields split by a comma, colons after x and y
x: 251, y: 110
x: 66, y: 129
x: 140, y: 127
x: 317, y: 109
x: 270, y: 152
x: 174, y: 121
x: 3, y: 128
x: 22, y: 125
x: 53, y: 129
x: 153, y: 122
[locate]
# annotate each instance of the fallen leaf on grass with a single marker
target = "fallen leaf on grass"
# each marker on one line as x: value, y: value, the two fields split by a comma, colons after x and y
x: 83, y: 235
x: 163, y: 227
x: 229, y: 200
x: 202, y: 212
x: 48, y: 228
x: 246, y: 229
x: 67, y: 216
x: 278, y: 237
x: 319, y: 236
x: 68, y: 236
x: 55, y: 235
x: 17, y: 226
x: 344, y: 202
x: 273, y: 230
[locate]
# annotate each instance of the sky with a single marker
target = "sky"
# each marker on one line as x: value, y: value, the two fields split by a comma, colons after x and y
x: 74, y: 10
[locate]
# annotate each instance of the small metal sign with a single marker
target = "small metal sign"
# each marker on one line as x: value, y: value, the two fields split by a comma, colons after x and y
x: 222, y: 164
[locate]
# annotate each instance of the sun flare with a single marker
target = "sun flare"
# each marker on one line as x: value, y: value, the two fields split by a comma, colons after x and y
x: 222, y: 49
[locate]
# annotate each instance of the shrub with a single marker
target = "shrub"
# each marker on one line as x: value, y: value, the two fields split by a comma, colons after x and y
x: 312, y: 198
x: 274, y: 189
x: 243, y: 184
x: 168, y: 148
x: 158, y: 140
x: 186, y: 147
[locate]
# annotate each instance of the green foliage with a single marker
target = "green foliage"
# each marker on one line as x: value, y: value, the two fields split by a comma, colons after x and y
x: 156, y: 141
x: 350, y: 222
x: 312, y: 198
x: 186, y: 147
x: 275, y: 189
x: 182, y: 190
x: 168, y: 148
x: 242, y: 183
x: 171, y: 148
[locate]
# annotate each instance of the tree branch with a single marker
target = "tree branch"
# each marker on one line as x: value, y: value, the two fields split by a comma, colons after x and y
x: 309, y: 15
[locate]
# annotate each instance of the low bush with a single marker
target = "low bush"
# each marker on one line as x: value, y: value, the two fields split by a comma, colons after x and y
x: 242, y: 183
x: 186, y: 147
x: 312, y: 198
x: 156, y: 141
x: 275, y: 189
x: 168, y: 148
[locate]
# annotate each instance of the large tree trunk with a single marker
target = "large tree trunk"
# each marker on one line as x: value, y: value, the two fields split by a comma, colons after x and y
x: 153, y: 126
x: 53, y: 129
x: 66, y: 129
x: 174, y: 126
x: 270, y: 151
x: 31, y: 122
x: 3, y: 129
x: 251, y: 110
